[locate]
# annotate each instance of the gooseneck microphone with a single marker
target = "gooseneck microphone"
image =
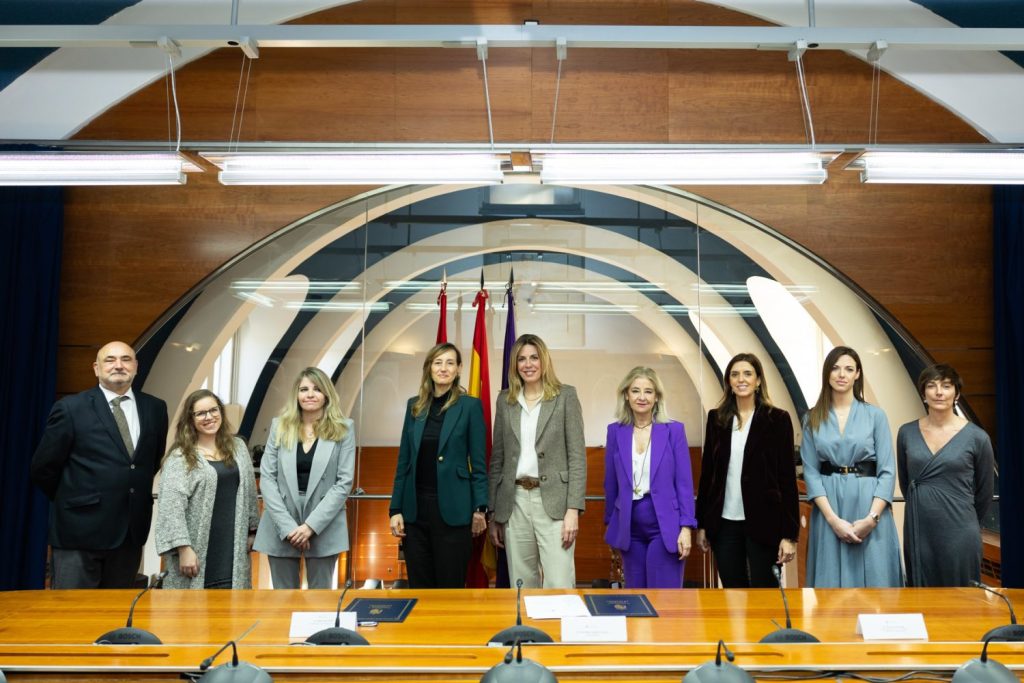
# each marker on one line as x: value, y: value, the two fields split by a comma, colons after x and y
x: 788, y: 634
x: 520, y: 633
x: 127, y: 634
x: 718, y: 671
x: 514, y: 669
x: 984, y: 670
x: 337, y: 635
x: 1009, y: 632
x: 234, y: 671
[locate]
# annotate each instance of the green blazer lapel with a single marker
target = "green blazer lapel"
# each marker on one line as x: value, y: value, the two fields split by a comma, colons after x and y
x: 451, y: 418
x: 418, y: 424
x: 546, y: 409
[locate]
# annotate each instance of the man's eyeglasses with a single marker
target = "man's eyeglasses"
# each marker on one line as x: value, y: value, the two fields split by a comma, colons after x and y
x: 203, y: 414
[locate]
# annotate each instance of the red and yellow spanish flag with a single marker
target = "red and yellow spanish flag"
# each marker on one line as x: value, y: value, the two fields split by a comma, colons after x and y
x: 480, y: 387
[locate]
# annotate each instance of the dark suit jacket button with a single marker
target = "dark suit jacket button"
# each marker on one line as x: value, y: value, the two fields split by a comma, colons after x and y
x: 440, y: 458
x: 132, y: 467
x: 131, y: 490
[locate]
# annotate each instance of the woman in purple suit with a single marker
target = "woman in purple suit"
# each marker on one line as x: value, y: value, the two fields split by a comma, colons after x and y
x: 648, y: 486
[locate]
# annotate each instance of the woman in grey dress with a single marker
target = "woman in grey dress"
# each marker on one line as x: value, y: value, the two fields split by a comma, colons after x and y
x: 850, y: 474
x: 206, y: 514
x: 946, y: 472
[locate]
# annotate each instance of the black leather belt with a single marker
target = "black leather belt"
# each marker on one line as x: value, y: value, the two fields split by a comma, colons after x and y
x: 866, y: 468
x: 528, y: 483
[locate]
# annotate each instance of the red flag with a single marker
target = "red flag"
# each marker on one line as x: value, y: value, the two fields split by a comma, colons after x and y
x: 442, y: 323
x: 480, y: 386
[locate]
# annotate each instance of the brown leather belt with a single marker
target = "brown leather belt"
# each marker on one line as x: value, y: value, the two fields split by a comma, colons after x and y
x: 528, y: 483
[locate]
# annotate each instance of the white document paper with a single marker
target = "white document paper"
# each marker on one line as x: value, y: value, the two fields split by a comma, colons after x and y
x: 305, y: 624
x: 892, y: 627
x: 594, y: 629
x: 555, y: 606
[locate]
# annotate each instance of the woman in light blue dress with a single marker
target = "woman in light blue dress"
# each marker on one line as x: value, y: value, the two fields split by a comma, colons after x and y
x: 849, y: 470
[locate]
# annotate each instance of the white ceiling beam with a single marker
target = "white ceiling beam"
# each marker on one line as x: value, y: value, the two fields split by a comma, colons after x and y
x: 499, y: 36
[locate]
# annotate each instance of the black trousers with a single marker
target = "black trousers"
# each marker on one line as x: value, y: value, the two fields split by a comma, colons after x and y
x: 436, y: 554
x: 742, y: 561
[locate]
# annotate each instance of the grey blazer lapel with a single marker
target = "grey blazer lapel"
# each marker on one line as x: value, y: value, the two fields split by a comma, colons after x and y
x: 321, y: 456
x: 286, y: 459
x: 546, y: 410
x: 515, y: 418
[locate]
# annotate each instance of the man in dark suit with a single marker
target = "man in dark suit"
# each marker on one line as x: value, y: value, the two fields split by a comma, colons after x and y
x: 96, y: 462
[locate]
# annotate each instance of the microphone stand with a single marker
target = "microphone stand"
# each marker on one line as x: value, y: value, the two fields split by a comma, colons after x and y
x: 520, y: 633
x: 234, y: 671
x: 127, y: 634
x: 718, y: 671
x: 788, y: 634
x: 983, y: 669
x: 516, y: 669
x: 337, y: 635
x: 1011, y: 632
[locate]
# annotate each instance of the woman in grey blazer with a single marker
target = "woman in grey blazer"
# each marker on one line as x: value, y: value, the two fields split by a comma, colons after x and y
x: 538, y: 471
x: 305, y: 478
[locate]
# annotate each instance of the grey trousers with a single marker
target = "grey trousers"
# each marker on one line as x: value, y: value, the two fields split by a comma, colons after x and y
x: 115, y: 568
x: 284, y: 571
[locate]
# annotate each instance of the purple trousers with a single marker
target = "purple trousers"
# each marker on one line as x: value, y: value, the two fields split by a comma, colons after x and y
x: 646, y: 564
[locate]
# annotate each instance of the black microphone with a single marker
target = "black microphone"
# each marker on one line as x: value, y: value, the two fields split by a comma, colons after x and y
x: 788, y: 634
x: 336, y: 635
x: 234, y: 671
x: 1009, y: 632
x: 128, y: 635
x: 520, y: 633
x: 984, y: 670
x: 718, y: 671
x: 518, y: 670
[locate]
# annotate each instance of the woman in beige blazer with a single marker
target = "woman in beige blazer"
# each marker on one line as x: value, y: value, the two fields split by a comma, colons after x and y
x: 538, y: 470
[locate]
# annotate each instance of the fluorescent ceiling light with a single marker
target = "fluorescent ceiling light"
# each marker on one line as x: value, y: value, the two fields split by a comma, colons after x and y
x: 458, y: 168
x: 738, y: 167
x: 953, y: 167
x: 100, y: 168
x: 339, y: 306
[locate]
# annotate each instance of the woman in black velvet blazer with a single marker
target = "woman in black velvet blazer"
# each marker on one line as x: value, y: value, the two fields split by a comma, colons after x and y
x: 759, y: 523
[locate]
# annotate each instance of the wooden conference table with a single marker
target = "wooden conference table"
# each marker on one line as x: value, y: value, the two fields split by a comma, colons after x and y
x: 47, y: 635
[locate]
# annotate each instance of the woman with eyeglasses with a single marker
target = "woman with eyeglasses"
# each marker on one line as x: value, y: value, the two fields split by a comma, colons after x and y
x: 305, y: 477
x: 206, y: 513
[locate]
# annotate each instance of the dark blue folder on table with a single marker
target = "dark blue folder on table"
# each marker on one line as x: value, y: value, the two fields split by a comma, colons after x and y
x: 628, y: 605
x: 381, y: 609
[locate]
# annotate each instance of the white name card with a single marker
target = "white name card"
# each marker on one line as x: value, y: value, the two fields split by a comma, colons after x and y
x: 594, y: 629
x: 305, y: 624
x: 892, y: 627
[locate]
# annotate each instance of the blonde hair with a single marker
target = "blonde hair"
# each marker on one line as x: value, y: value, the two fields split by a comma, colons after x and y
x: 426, y: 393
x: 549, y: 381
x: 186, y: 436
x: 330, y: 426
x: 818, y: 415
x: 623, y: 413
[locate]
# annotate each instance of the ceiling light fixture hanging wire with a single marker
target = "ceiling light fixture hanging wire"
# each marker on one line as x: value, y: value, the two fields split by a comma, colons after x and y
x: 244, y: 75
x: 876, y: 84
x: 481, y: 53
x: 174, y: 97
x: 804, y: 100
x: 560, y: 49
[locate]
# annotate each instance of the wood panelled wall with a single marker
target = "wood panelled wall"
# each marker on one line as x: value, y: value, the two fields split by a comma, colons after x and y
x: 923, y: 252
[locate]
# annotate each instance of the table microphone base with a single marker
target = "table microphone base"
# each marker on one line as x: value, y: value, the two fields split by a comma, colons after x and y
x: 127, y: 635
x: 789, y: 635
x: 336, y: 635
x: 522, y: 634
x: 1009, y: 632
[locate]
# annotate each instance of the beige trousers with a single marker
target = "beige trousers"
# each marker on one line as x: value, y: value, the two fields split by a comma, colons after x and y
x: 533, y: 544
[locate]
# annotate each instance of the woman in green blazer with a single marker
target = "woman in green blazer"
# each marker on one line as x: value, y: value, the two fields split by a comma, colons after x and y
x: 439, y: 500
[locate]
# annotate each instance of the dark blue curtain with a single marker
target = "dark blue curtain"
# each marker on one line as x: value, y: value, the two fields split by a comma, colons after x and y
x: 31, y: 230
x: 1008, y: 277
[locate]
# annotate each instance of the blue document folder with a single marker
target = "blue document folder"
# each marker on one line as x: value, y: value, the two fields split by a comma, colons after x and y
x: 627, y: 605
x: 381, y: 609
